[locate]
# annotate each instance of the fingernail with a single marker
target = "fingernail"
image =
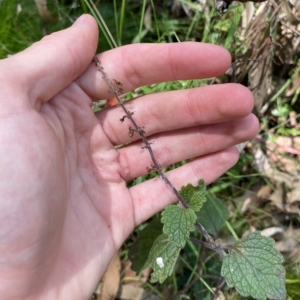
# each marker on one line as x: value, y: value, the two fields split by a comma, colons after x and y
x: 80, y: 20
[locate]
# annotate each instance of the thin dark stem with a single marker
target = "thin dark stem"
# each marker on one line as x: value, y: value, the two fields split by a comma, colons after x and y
x: 211, y: 245
x: 218, y: 288
x: 184, y: 290
x: 147, y: 145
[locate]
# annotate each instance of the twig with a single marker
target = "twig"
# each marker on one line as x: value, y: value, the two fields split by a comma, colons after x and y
x: 213, y: 245
x: 147, y: 145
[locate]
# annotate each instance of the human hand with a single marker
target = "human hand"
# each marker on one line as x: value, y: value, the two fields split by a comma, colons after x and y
x: 64, y: 205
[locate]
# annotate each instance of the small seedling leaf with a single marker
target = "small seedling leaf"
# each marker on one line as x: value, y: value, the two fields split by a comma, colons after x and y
x: 139, y: 251
x: 162, y: 258
x: 213, y: 215
x: 195, y: 196
x: 254, y: 268
x: 178, y: 223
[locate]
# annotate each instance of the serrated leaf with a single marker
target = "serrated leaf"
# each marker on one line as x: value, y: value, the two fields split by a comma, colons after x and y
x: 178, y: 223
x: 162, y: 258
x: 195, y: 196
x: 139, y: 251
x: 213, y: 215
x: 254, y: 268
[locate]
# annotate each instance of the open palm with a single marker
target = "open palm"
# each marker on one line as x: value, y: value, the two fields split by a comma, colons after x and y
x: 64, y: 205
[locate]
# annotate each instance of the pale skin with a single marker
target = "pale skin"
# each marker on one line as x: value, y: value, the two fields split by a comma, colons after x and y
x: 65, y: 209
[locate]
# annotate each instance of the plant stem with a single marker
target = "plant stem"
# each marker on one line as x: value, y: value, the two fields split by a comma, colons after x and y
x: 213, y: 245
x: 155, y: 166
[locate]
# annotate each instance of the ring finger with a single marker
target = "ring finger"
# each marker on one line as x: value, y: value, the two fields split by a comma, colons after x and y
x: 178, y: 145
x: 177, y: 109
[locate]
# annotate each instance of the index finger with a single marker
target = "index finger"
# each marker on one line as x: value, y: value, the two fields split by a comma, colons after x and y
x: 143, y: 64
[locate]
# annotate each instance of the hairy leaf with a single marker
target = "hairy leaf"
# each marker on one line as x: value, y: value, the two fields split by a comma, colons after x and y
x: 195, y: 196
x: 213, y: 215
x: 139, y: 251
x: 162, y: 258
x: 255, y: 268
x: 178, y: 223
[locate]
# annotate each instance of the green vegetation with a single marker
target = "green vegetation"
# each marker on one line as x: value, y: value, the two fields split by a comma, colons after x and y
x: 262, y: 191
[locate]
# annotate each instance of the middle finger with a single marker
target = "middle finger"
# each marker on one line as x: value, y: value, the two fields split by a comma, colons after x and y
x: 176, y: 110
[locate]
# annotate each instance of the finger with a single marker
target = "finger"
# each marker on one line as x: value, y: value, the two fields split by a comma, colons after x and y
x: 142, y: 64
x: 153, y: 195
x: 53, y: 63
x: 176, y: 146
x: 178, y: 109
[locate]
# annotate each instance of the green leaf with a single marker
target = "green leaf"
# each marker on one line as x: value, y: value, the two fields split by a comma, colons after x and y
x: 178, y: 223
x: 233, y: 29
x: 139, y: 251
x: 162, y: 258
x: 255, y: 268
x: 213, y: 215
x: 195, y: 196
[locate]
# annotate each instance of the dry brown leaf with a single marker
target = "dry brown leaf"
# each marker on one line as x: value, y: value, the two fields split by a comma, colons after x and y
x: 130, y: 277
x: 291, y: 12
x: 247, y: 16
x: 111, y: 280
x: 148, y: 18
x: 279, y: 196
x: 220, y: 295
x: 248, y: 199
x: 129, y: 292
x: 293, y: 207
x: 287, y: 245
x: 111, y: 102
x: 44, y: 11
x: 296, y: 4
x: 278, y: 156
x: 292, y: 115
x: 286, y: 144
x: 289, y: 242
x: 263, y: 166
x: 282, y: 162
x: 264, y: 192
x: 250, y: 230
x: 179, y: 9
x: 254, y: 67
x: 289, y: 202
x: 293, y: 87
x: 271, y: 231
x: 294, y: 195
x: 260, y: 80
